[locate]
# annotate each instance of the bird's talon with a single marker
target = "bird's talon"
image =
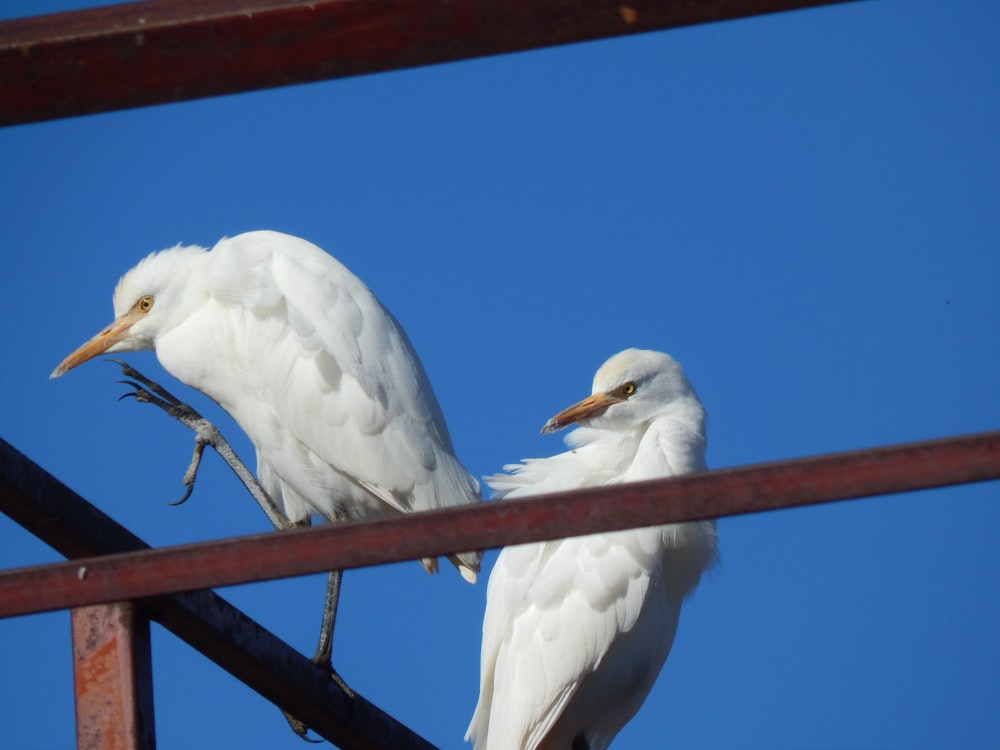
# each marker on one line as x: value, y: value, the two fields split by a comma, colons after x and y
x: 192, y: 470
x: 300, y: 729
x: 153, y: 386
x: 124, y: 366
x: 187, y: 494
x: 341, y: 684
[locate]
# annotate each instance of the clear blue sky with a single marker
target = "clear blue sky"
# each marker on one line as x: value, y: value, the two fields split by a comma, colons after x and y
x: 804, y: 209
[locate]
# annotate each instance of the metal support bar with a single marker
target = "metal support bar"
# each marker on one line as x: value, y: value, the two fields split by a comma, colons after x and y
x: 75, y: 528
x: 138, y: 54
x: 261, y: 557
x: 238, y: 644
x: 112, y: 678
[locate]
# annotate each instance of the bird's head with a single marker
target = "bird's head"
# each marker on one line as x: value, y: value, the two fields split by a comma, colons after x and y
x: 630, y: 389
x: 148, y: 300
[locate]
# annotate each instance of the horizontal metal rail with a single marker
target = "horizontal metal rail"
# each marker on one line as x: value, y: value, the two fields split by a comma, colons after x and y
x: 750, y: 489
x: 58, y: 516
x: 143, y: 53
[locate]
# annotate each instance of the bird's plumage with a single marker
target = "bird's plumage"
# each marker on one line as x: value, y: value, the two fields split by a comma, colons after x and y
x: 308, y: 362
x: 576, y: 630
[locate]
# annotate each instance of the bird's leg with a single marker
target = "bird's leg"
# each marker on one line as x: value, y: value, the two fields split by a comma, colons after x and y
x: 149, y: 392
x: 325, y: 647
x: 192, y: 469
x: 205, y: 433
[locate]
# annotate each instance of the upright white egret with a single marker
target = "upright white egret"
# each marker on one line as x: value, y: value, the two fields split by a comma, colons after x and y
x: 315, y: 370
x: 576, y: 630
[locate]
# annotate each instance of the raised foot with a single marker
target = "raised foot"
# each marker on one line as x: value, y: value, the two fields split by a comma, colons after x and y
x: 147, y: 391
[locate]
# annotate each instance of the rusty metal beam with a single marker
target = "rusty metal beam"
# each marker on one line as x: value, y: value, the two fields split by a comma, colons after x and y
x: 249, y: 652
x: 750, y: 489
x: 75, y: 528
x: 138, y: 54
x: 112, y: 678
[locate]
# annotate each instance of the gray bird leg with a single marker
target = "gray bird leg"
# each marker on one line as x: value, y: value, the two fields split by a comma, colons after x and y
x: 205, y: 434
x: 147, y: 391
x: 324, y: 648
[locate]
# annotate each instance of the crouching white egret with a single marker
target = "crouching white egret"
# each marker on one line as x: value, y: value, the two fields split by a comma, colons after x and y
x: 313, y: 368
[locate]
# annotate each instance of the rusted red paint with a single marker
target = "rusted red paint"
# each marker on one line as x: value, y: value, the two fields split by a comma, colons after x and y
x: 137, y: 54
x: 112, y: 678
x: 713, y: 494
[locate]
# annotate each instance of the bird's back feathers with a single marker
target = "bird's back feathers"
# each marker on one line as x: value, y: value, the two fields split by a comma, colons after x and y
x: 320, y: 376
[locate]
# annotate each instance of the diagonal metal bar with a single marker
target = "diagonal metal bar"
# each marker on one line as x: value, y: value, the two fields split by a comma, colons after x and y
x: 784, y: 484
x: 138, y: 54
x: 75, y: 528
x: 279, y: 673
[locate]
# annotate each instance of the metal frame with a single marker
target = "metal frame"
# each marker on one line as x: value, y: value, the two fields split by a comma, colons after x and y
x: 136, y: 54
x: 353, y: 544
x: 112, y: 677
x: 110, y: 564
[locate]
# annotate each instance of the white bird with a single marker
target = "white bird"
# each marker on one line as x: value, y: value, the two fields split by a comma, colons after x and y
x: 313, y: 368
x: 576, y: 630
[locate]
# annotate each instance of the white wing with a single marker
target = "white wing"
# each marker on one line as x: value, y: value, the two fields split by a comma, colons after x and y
x: 322, y: 378
x: 553, y: 612
x: 554, y: 609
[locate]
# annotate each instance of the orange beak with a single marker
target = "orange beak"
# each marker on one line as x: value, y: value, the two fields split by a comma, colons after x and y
x: 100, y: 343
x: 590, y: 407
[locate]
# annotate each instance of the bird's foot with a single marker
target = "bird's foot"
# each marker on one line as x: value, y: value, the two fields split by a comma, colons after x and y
x: 341, y: 684
x: 298, y: 726
x: 147, y: 391
x: 322, y: 660
x: 300, y: 729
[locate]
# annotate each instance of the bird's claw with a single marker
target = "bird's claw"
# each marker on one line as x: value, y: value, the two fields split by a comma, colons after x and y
x: 192, y: 470
x: 130, y: 372
x: 146, y: 391
x: 189, y: 485
x: 300, y: 729
x: 142, y: 395
x: 340, y: 683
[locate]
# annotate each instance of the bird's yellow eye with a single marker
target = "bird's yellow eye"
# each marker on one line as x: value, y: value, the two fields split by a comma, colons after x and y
x: 627, y: 390
x: 145, y: 304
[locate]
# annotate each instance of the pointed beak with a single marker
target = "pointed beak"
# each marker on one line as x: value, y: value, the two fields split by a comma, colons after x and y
x: 100, y: 343
x: 590, y: 407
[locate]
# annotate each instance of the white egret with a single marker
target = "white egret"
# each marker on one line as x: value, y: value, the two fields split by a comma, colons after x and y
x: 576, y: 630
x: 313, y: 368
